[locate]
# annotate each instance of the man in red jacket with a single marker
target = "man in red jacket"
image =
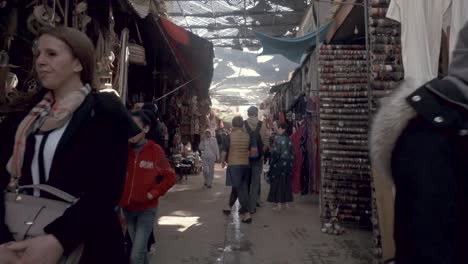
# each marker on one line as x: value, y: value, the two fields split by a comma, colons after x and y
x: 149, y: 176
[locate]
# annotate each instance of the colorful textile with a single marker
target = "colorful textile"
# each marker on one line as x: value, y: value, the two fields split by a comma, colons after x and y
x: 296, y: 172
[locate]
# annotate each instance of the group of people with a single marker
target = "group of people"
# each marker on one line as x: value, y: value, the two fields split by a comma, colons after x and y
x: 244, y: 153
x: 86, y: 144
x: 81, y: 142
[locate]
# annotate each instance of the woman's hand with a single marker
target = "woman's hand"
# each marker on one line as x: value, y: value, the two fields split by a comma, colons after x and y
x: 38, y: 250
x: 8, y: 256
x: 149, y: 196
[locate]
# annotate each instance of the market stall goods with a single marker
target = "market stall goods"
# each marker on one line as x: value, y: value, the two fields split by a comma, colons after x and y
x: 344, y: 122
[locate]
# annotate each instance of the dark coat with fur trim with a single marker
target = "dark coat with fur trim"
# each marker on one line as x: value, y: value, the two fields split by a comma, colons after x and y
x: 420, y: 140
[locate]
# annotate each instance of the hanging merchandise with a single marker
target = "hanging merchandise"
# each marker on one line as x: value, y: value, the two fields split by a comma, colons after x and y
x: 421, y: 32
x: 137, y: 54
x: 140, y: 7
x: 123, y: 66
x: 459, y: 12
x: 306, y: 181
x: 80, y: 17
x: 42, y: 16
x: 8, y: 79
x: 4, y: 71
x: 313, y: 144
x: 194, y: 106
x: 107, y: 40
x: 296, y: 175
x: 195, y: 125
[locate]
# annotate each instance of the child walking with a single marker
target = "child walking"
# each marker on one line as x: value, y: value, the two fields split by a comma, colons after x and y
x: 149, y: 176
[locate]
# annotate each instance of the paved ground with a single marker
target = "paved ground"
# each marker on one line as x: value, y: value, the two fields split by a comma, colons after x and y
x: 193, y: 230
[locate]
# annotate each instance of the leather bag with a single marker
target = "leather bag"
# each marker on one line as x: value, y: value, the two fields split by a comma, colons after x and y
x: 27, y: 215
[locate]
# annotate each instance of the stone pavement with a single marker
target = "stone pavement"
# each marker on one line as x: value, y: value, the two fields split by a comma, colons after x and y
x: 192, y: 229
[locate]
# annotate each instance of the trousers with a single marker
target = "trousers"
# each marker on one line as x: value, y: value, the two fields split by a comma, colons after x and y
x: 140, y: 225
x: 256, y: 169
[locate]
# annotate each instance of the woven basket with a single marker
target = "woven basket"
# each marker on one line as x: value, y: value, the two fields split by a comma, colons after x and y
x: 137, y: 54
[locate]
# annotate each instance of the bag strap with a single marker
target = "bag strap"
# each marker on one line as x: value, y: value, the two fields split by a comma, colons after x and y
x: 259, y: 126
x: 247, y: 127
x: 138, y: 31
x: 42, y: 172
x: 52, y: 191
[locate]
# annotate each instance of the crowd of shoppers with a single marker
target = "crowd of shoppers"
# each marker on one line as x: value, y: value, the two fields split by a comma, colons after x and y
x: 245, y: 151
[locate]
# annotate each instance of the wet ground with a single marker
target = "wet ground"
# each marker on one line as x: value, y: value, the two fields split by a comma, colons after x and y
x: 192, y: 229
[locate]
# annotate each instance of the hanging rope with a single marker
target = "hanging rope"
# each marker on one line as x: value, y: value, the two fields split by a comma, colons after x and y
x: 178, y: 88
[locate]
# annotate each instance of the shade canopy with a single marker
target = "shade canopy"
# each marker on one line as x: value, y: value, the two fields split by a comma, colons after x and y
x: 291, y: 48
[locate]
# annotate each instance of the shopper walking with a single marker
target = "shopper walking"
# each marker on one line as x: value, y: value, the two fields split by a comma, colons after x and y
x: 419, y: 140
x: 280, y: 174
x: 149, y: 176
x: 155, y: 133
x: 236, y: 156
x: 209, y: 146
x: 259, y: 142
x: 74, y: 139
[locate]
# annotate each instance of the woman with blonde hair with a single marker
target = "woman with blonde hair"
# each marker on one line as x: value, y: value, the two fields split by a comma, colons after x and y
x: 74, y: 139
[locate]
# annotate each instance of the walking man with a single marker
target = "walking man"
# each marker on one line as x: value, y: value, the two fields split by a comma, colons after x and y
x: 259, y: 143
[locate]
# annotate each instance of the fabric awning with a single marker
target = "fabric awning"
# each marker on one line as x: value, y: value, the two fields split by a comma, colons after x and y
x: 279, y: 87
x: 291, y: 48
x: 193, y: 54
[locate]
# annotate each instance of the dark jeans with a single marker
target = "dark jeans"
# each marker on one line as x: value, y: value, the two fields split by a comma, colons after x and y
x: 240, y: 189
x: 256, y: 170
x: 140, y: 226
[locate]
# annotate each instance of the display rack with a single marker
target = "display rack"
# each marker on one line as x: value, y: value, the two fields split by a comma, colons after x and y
x: 344, y: 124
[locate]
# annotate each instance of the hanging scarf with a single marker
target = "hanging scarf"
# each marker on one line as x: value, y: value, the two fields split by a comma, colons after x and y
x: 46, y: 116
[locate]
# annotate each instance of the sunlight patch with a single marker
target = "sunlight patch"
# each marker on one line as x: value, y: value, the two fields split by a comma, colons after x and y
x: 242, y: 72
x: 183, y: 222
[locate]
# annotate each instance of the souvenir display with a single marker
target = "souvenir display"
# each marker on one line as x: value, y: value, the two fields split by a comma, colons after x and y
x: 344, y: 124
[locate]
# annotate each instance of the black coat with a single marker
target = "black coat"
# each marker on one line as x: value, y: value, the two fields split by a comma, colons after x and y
x: 89, y: 163
x: 429, y: 165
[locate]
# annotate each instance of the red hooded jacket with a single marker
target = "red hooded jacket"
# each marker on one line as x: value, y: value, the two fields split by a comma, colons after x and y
x: 148, y: 171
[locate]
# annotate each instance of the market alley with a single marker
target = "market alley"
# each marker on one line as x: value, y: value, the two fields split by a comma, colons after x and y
x: 192, y: 229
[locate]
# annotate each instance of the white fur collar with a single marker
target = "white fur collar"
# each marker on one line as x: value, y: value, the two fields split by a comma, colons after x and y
x: 389, y: 123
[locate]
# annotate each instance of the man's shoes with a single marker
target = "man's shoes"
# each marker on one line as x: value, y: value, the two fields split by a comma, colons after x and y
x: 247, y: 219
x: 227, y: 211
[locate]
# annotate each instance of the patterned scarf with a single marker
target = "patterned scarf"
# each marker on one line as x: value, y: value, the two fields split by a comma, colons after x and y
x: 46, y: 116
